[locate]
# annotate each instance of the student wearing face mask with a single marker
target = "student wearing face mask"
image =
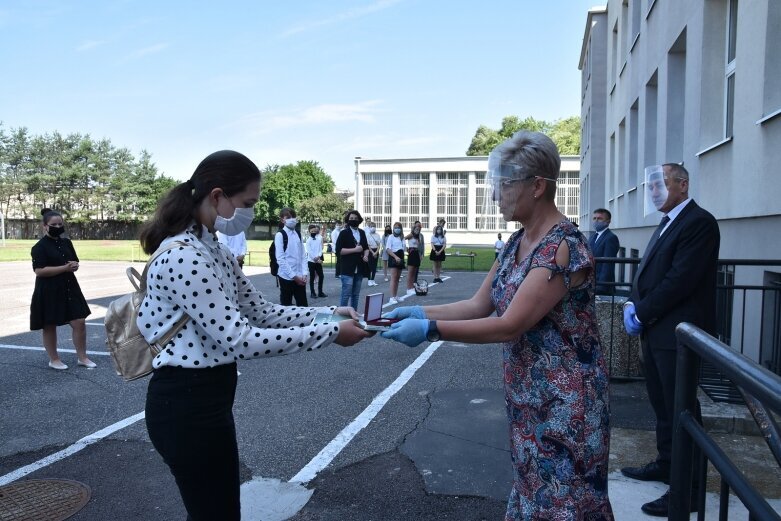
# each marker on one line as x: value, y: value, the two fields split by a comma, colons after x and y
x: 291, y: 259
x: 189, y: 404
x: 415, y: 245
x: 57, y: 298
x: 388, y: 232
x: 395, y: 248
x: 352, y: 250
x: 437, y: 255
x: 314, y: 255
x: 375, y: 243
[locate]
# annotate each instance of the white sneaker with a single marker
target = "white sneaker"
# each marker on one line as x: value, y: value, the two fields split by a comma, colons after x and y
x: 59, y: 365
x: 410, y: 291
x: 393, y: 301
x: 372, y: 283
x: 386, y: 279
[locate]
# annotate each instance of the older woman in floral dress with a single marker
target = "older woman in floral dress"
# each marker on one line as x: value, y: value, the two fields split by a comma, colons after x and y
x: 556, y: 383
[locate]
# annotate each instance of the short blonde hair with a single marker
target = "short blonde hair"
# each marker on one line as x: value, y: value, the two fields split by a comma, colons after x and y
x: 535, y: 152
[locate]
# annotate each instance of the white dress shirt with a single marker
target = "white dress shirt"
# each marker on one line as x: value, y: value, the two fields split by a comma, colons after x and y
x: 314, y: 247
x: 672, y: 214
x: 237, y: 244
x: 292, y: 262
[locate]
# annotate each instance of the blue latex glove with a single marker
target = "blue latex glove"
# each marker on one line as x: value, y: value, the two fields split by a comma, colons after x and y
x: 631, y: 324
x: 406, y: 312
x: 410, y: 331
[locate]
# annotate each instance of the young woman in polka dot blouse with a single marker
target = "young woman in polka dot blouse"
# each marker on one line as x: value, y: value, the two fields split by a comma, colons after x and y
x: 190, y: 397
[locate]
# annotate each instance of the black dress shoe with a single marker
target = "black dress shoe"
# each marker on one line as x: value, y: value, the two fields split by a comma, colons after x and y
x: 653, y: 471
x: 312, y: 296
x: 660, y: 507
x: 322, y: 295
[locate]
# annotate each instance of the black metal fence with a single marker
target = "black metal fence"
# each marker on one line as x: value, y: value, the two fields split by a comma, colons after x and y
x: 762, y: 390
x: 748, y: 320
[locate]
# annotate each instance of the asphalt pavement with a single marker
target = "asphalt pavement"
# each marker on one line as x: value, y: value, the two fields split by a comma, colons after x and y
x: 374, y: 432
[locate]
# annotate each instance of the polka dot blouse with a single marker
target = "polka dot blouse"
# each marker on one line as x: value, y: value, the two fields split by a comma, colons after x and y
x: 230, y: 320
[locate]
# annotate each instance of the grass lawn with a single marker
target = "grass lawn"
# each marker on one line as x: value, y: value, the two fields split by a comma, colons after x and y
x: 128, y: 251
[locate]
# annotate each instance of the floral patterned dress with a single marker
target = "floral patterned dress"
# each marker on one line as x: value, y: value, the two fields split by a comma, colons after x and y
x: 556, y: 391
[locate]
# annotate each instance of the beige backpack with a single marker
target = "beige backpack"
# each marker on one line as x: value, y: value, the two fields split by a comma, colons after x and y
x: 131, y: 353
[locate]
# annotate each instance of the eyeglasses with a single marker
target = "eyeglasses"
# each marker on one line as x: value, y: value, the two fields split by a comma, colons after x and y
x: 501, y: 184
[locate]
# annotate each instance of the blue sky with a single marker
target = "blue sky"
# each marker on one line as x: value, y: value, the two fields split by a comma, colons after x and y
x: 282, y: 81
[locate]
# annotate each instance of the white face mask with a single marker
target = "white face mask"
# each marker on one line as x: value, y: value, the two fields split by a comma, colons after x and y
x: 242, y: 218
x: 291, y: 223
x: 371, y: 229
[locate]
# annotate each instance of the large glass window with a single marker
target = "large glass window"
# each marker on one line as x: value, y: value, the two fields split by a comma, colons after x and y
x: 377, y: 198
x: 488, y: 218
x: 452, y: 199
x: 568, y: 194
x: 413, y: 200
x: 729, y: 69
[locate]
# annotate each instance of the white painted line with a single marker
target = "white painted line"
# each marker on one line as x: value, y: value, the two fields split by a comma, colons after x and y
x: 92, y: 324
x: 325, y: 456
x: 68, y: 451
x: 30, y: 348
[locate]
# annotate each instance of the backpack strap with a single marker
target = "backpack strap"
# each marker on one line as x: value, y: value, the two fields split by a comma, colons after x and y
x: 141, y: 286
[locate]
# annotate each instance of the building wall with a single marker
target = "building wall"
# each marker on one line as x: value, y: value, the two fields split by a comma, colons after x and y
x: 698, y: 82
x: 427, y: 189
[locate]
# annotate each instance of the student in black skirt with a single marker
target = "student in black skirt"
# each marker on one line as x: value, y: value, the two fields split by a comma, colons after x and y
x: 57, y: 298
x: 414, y: 247
x: 395, y: 248
x: 437, y: 255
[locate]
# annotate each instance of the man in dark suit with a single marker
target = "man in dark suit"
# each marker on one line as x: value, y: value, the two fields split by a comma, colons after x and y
x: 675, y: 282
x: 604, y: 243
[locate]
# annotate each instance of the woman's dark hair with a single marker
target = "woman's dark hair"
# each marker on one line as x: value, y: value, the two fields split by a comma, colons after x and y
x: 48, y: 213
x: 352, y: 212
x: 225, y: 169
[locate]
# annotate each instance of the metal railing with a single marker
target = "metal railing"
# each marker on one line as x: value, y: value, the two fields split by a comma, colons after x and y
x: 748, y: 318
x: 762, y: 389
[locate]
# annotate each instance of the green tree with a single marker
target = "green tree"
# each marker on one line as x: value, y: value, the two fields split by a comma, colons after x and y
x: 325, y: 208
x: 291, y: 185
x: 565, y: 133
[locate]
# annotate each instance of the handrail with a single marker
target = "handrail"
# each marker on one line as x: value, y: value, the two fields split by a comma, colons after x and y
x: 764, y: 386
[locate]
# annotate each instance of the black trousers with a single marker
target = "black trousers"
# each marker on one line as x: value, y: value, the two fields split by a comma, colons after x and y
x: 316, y: 269
x: 372, y: 266
x: 189, y: 417
x: 659, y: 369
x: 288, y: 289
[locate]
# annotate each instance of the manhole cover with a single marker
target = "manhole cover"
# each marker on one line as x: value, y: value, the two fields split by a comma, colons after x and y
x: 42, y: 499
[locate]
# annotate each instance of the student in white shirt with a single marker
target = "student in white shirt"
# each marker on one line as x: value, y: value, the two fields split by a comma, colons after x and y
x: 498, y: 245
x: 237, y: 244
x: 437, y: 255
x: 292, y: 273
x: 189, y: 403
x: 314, y: 255
x: 375, y: 244
x: 388, y: 232
x: 395, y: 247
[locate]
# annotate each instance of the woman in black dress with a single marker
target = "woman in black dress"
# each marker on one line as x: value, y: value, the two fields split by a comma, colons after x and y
x: 57, y: 298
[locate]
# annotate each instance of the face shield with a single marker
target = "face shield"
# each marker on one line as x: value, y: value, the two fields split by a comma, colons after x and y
x: 498, y: 193
x: 655, y: 190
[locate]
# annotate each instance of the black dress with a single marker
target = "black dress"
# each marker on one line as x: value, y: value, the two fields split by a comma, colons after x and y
x: 56, y: 300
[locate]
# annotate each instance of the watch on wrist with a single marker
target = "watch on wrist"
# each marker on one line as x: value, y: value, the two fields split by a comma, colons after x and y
x: 433, y: 333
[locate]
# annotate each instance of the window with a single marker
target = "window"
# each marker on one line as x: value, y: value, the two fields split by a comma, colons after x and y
x: 452, y: 199
x: 772, y: 90
x: 651, y: 116
x: 636, y: 11
x: 729, y: 68
x: 377, y: 198
x: 634, y: 135
x: 488, y: 218
x: 568, y: 194
x: 413, y: 200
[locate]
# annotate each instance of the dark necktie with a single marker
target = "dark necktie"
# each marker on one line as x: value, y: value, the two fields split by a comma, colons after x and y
x: 655, y: 236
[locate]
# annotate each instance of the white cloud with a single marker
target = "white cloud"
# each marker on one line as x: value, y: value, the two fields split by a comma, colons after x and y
x: 268, y: 121
x: 349, y: 14
x: 89, y: 44
x: 152, y: 49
